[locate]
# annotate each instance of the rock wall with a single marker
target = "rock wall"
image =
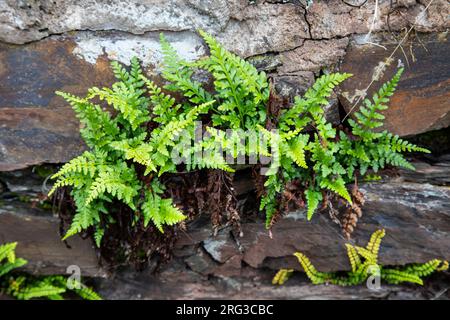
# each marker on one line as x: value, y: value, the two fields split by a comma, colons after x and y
x: 65, y: 45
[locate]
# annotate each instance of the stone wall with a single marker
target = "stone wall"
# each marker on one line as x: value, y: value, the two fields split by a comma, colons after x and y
x: 66, y: 45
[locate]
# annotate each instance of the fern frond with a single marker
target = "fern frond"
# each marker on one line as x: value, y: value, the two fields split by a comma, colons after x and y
x: 98, y: 128
x: 368, y: 255
x: 425, y: 269
x: 315, y: 276
x: 313, y: 198
x: 282, y: 276
x: 76, y: 180
x: 375, y: 241
x: 337, y: 185
x: 296, y: 150
x: 118, y: 181
x: 176, y: 71
x: 11, y: 265
x: 132, y: 105
x: 164, y: 107
x: 353, y: 257
x: 84, y: 164
x: 368, y: 116
x: 160, y: 211
x: 319, y: 93
x: 243, y: 90
x: 399, y: 145
x: 397, y: 276
x: 7, y: 251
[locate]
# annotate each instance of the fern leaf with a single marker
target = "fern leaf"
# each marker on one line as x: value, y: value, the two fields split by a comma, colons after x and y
x: 396, y: 276
x: 282, y: 276
x: 375, y: 240
x: 11, y: 265
x: 160, y: 211
x: 176, y: 71
x: 7, y: 251
x: 312, y: 200
x: 337, y: 185
x: 353, y: 257
x: 315, y: 276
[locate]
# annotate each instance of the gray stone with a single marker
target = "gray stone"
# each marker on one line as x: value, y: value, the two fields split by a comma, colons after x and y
x: 313, y: 55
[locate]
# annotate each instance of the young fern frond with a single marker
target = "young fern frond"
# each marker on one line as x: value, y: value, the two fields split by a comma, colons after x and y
x: 315, y: 276
x: 353, y: 257
x: 160, y: 211
x: 180, y: 75
x: 375, y: 241
x: 313, y: 199
x: 282, y: 276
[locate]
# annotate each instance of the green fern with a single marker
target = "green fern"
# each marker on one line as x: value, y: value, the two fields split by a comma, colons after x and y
x: 133, y: 147
x: 241, y: 91
x: 363, y: 261
x: 119, y: 146
x: 160, y: 211
x: 332, y: 156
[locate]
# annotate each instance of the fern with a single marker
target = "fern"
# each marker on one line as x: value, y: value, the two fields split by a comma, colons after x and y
x: 160, y: 211
x: 362, y: 261
x: 119, y: 146
x: 241, y: 91
x: 312, y: 199
x: 133, y: 147
x: 282, y: 276
x: 333, y: 157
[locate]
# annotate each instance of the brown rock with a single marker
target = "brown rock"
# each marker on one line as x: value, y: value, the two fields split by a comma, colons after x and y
x: 335, y: 18
x: 415, y: 215
x: 421, y: 102
x: 257, y: 29
x: 39, y: 242
x: 313, y: 55
x: 36, y: 126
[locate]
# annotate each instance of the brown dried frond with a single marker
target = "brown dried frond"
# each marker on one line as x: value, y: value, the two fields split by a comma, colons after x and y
x: 222, y: 200
x: 353, y: 213
x: 274, y: 106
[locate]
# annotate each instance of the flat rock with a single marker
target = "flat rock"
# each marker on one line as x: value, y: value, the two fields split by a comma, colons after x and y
x: 39, y: 242
x: 313, y: 55
x: 421, y: 102
x: 257, y: 285
x: 335, y: 18
x: 36, y: 126
x: 415, y: 215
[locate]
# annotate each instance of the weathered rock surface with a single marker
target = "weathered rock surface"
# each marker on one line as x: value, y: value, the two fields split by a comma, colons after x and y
x: 68, y: 44
x: 330, y: 19
x: 313, y: 55
x: 39, y: 242
x: 179, y: 283
x: 422, y: 100
x: 247, y: 26
x: 415, y: 215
